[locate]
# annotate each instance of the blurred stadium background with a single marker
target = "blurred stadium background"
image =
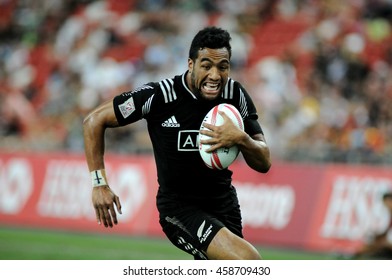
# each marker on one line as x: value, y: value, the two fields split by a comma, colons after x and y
x: 320, y: 73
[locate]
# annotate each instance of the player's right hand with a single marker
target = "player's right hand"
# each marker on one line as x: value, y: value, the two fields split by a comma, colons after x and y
x: 103, y: 199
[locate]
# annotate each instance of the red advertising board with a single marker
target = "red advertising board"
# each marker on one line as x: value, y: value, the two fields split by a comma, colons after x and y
x: 317, y: 207
x: 349, y: 207
x: 54, y: 190
x: 277, y: 206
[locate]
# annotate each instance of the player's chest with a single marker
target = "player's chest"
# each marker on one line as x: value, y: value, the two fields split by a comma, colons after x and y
x: 179, y: 126
x: 181, y: 116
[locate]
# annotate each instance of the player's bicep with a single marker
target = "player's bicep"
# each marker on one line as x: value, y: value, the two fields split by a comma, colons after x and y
x: 103, y: 116
x: 132, y: 106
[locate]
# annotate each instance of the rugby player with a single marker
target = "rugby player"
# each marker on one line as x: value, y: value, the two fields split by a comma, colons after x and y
x: 198, y: 207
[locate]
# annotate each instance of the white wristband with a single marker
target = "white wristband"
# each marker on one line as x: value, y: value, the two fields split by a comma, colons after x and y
x: 97, y: 179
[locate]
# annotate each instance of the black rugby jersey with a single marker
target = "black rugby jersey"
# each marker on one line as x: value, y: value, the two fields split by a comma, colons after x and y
x: 174, y: 116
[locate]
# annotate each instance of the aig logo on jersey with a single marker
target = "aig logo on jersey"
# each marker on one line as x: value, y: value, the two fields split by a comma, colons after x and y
x: 187, y: 140
x: 171, y: 122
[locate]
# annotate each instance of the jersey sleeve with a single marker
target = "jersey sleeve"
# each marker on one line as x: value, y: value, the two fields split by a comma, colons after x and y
x: 249, y: 113
x: 134, y: 105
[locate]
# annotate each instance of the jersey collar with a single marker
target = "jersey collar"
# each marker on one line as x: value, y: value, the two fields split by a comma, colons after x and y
x: 186, y: 86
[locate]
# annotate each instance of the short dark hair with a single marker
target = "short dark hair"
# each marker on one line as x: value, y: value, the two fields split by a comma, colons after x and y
x: 210, y: 37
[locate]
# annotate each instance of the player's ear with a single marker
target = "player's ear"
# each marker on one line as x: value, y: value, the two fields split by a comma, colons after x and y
x: 190, y: 65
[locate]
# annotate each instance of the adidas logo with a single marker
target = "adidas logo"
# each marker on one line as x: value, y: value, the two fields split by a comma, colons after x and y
x: 171, y: 122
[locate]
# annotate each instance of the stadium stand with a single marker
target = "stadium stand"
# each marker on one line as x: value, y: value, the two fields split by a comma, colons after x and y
x: 320, y: 71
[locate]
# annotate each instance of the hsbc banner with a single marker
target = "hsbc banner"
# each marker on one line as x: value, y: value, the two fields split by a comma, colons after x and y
x: 328, y: 208
x: 54, y: 191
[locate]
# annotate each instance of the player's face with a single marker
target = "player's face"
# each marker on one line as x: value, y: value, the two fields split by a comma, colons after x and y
x: 209, y: 72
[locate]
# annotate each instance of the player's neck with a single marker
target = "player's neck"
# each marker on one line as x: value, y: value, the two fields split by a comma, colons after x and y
x: 188, y: 82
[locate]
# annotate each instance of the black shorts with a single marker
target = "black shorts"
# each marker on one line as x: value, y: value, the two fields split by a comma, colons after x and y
x: 191, y: 223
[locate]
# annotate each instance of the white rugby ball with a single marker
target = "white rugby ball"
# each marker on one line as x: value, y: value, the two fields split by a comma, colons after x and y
x: 222, y: 157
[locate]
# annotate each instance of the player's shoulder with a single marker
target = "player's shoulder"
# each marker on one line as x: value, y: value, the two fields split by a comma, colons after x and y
x: 166, y: 89
x: 233, y: 90
x: 162, y: 90
x: 169, y: 89
x: 143, y: 90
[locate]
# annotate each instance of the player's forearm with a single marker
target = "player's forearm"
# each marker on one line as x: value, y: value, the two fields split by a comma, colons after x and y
x: 256, y: 153
x: 94, y: 126
x: 94, y: 143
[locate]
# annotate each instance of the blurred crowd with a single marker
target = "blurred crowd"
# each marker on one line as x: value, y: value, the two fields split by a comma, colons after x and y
x: 320, y: 72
